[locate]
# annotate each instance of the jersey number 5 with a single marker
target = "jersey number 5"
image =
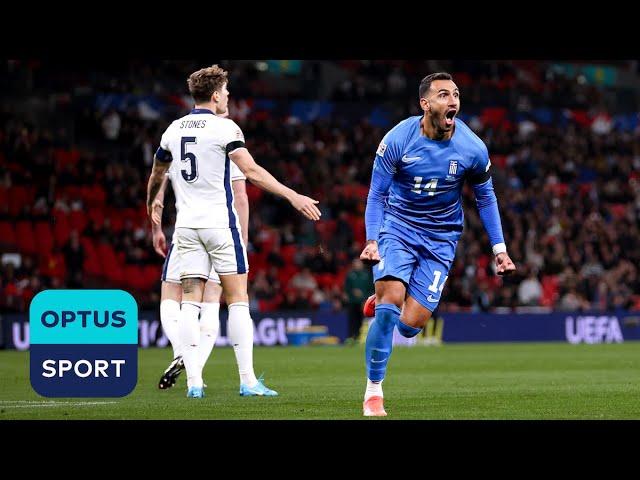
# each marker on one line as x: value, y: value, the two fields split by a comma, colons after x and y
x: 185, y: 156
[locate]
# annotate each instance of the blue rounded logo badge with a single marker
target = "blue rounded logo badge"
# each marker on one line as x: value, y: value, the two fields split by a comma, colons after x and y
x: 84, y: 343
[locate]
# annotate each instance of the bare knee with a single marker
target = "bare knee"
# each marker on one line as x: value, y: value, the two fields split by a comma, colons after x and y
x: 236, y: 298
x: 171, y: 291
x: 212, y: 292
x: 235, y: 288
x: 414, y: 314
x: 192, y: 289
x: 390, y: 292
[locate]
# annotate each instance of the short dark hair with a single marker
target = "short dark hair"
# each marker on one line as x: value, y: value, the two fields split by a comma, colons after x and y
x: 425, y: 84
x: 205, y: 81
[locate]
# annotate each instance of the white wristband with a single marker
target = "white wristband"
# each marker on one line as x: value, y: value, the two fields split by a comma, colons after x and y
x: 499, y: 248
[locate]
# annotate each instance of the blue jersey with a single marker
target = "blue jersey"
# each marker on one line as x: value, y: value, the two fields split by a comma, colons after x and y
x: 427, y: 177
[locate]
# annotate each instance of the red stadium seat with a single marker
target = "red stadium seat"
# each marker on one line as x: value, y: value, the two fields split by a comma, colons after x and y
x: 78, y: 220
x: 113, y: 272
x: 134, y: 276
x: 93, y: 196
x: 4, y: 200
x: 61, y: 228
x: 288, y: 252
x: 97, y: 215
x: 7, y: 235
x: 25, y: 237
x: 92, y: 265
x: 151, y: 276
x: 64, y: 157
x: 254, y: 193
x: 111, y: 266
x: 18, y: 198
x: 325, y: 280
x: 285, y: 274
x: 357, y: 224
x: 44, y: 236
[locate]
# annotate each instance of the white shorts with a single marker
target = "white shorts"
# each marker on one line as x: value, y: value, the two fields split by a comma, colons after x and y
x: 205, y: 253
x: 171, y: 269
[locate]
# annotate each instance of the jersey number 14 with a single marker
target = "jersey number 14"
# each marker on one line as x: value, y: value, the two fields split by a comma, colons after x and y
x: 429, y: 187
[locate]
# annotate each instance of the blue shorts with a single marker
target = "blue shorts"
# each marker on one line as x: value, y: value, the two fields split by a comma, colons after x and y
x: 420, y: 262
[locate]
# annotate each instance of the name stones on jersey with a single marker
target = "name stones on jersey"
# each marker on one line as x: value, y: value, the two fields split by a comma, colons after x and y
x: 193, y: 123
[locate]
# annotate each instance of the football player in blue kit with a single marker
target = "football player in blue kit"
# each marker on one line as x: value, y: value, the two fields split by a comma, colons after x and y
x: 414, y: 219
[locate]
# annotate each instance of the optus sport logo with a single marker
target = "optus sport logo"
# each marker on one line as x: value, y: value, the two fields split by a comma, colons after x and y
x: 84, y: 343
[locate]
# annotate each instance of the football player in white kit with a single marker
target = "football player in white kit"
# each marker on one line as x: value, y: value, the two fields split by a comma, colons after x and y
x: 207, y: 231
x: 171, y: 289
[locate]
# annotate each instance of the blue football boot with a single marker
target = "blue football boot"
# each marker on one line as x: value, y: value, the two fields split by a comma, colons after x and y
x: 258, y: 390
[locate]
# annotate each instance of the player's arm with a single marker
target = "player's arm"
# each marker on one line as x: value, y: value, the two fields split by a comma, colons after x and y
x: 263, y: 179
x: 161, y: 162
x: 487, y: 204
x: 241, y: 202
x: 159, y: 239
x: 157, y: 182
x: 384, y: 167
x: 158, y: 204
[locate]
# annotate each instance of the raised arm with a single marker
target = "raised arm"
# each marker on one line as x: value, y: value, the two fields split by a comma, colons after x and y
x: 263, y: 179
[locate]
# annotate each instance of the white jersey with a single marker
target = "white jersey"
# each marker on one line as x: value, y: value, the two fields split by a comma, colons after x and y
x: 198, y: 145
x: 236, y: 173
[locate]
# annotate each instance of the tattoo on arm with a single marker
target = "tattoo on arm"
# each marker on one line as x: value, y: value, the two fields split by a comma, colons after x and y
x: 155, y: 180
x: 163, y: 189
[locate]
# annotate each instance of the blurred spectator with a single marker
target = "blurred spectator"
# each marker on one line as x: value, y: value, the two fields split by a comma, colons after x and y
x: 111, y: 125
x: 530, y: 289
x: 358, y: 286
x: 303, y: 280
x: 74, y: 258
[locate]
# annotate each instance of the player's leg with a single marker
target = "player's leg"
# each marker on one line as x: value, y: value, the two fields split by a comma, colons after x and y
x: 230, y: 261
x: 426, y: 285
x: 170, y: 297
x: 379, y: 342
x: 209, y: 317
x: 390, y: 275
x: 240, y: 334
x: 413, y: 318
x: 195, y: 267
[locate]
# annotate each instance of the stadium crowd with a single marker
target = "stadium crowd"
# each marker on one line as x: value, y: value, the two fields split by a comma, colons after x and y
x: 73, y: 171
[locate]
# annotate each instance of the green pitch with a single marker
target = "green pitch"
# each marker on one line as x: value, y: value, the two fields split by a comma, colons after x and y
x: 461, y: 381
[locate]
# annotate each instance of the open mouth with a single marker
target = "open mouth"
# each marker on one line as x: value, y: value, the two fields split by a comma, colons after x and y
x: 449, y: 116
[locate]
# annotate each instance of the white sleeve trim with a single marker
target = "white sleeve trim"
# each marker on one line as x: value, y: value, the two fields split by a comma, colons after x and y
x: 499, y: 248
x: 236, y: 149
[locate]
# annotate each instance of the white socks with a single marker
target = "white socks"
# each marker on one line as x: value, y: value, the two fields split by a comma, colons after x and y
x: 374, y: 389
x: 240, y: 333
x: 209, y: 328
x: 189, y: 329
x: 169, y: 313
